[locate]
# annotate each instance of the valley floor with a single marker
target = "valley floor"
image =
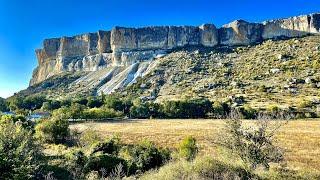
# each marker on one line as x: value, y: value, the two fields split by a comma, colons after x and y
x: 299, y: 138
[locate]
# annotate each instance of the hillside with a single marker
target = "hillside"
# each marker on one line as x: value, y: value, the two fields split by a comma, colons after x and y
x: 282, y: 73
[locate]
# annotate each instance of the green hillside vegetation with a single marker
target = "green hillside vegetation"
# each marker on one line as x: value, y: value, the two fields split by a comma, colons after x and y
x: 272, y: 77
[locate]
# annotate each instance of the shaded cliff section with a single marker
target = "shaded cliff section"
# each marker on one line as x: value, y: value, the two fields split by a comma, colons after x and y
x: 126, y: 46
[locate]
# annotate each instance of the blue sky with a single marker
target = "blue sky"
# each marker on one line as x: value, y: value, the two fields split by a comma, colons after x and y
x: 25, y: 23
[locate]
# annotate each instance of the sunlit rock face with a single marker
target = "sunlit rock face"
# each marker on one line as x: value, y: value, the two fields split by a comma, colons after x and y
x: 240, y: 33
x: 122, y: 48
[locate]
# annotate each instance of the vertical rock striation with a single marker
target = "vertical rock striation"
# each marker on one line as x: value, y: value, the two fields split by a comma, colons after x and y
x: 127, y: 46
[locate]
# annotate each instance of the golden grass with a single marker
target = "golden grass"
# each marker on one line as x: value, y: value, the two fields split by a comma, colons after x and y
x: 300, y: 139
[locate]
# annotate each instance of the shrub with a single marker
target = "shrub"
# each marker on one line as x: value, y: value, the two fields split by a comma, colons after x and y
x: 19, y: 119
x: 200, y: 168
x: 89, y: 137
x: 104, y: 163
x: 248, y: 112
x: 220, y: 109
x: 146, y: 156
x: 254, y: 146
x: 55, y: 130
x: 111, y: 146
x: 19, y: 152
x: 188, y: 148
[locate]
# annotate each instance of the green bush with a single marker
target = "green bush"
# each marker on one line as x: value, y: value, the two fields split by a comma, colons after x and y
x: 146, y: 156
x: 89, y: 137
x: 55, y: 130
x: 188, y: 149
x: 19, y: 119
x: 200, y: 168
x: 104, y: 163
x: 111, y: 146
x: 19, y: 153
x: 220, y: 109
x: 114, y: 102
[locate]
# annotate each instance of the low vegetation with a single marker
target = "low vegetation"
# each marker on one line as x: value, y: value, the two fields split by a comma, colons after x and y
x: 70, y: 153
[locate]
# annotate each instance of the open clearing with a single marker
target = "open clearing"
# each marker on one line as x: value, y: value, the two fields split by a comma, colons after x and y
x: 300, y: 138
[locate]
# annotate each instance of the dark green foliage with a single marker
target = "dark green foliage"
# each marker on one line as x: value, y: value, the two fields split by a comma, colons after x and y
x: 94, y: 102
x: 114, y: 102
x: 146, y: 156
x: 19, y: 153
x: 51, y: 105
x: 111, y: 147
x: 55, y: 130
x: 187, y: 109
x: 103, y: 162
x: 81, y: 101
x: 31, y: 102
x: 3, y: 105
x: 188, y: 148
x: 220, y: 109
x: 248, y: 112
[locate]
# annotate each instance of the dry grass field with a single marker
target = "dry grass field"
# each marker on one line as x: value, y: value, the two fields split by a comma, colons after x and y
x: 300, y: 139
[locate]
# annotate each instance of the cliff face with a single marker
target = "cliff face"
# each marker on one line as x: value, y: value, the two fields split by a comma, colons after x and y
x: 129, y: 46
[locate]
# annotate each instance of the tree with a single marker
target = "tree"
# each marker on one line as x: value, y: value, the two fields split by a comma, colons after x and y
x: 33, y: 102
x: 3, y: 105
x: 19, y: 152
x: 50, y: 105
x: 114, y: 103
x: 94, y: 102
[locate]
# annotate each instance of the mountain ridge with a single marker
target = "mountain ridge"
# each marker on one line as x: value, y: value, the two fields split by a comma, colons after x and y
x: 126, y: 46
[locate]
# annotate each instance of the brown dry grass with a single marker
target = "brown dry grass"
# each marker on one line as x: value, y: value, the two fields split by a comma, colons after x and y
x: 300, y: 139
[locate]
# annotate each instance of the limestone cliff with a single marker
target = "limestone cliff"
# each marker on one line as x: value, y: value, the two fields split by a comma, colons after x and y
x: 131, y: 50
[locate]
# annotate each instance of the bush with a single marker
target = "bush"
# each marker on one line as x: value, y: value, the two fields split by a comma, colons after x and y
x: 248, y: 112
x: 188, y: 148
x: 19, y: 152
x: 111, y: 146
x: 89, y: 137
x: 19, y: 119
x: 254, y: 146
x: 55, y: 130
x: 201, y: 168
x: 104, y: 163
x: 220, y: 109
x: 146, y: 156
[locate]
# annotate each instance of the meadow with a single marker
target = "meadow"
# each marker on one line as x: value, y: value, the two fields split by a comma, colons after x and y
x: 299, y: 138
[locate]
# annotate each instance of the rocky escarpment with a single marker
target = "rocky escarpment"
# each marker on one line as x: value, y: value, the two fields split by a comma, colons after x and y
x: 128, y: 47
